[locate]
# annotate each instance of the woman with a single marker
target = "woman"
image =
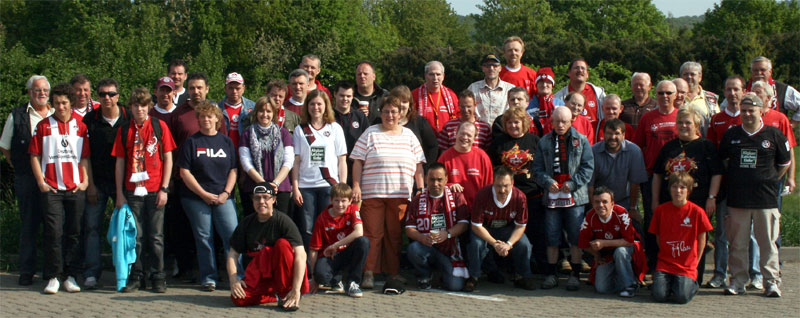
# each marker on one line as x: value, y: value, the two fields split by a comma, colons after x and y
x: 266, y: 154
x: 387, y: 160
x: 319, y: 161
x: 698, y: 157
x: 416, y: 123
x: 207, y: 163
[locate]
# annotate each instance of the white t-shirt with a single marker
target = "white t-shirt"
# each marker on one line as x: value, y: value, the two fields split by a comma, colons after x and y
x: 329, y: 144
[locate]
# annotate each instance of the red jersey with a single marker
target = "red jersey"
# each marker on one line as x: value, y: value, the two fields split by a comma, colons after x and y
x: 490, y: 213
x: 472, y: 170
x: 233, y: 120
x: 655, y: 129
x: 720, y: 123
x: 677, y: 229
x: 152, y: 154
x: 329, y: 230
x: 79, y: 114
x: 447, y: 136
x: 290, y: 105
x: 434, y: 216
x: 599, y: 132
x: 524, y: 77
x: 583, y: 126
x: 779, y: 120
x: 60, y: 146
x: 438, y: 108
x: 618, y: 226
x: 590, y: 107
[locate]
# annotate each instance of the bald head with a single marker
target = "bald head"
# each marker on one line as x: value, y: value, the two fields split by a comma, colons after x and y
x: 681, y: 88
x: 561, y: 120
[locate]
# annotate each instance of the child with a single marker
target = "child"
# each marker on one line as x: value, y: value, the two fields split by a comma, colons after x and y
x: 338, y: 241
x: 679, y: 227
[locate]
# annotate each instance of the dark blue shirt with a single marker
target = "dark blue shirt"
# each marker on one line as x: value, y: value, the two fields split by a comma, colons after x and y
x: 209, y: 159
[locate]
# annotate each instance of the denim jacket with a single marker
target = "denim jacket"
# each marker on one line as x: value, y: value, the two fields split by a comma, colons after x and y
x: 247, y: 107
x: 581, y: 165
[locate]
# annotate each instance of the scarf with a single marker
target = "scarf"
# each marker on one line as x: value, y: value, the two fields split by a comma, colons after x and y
x: 281, y: 116
x: 459, y: 267
x: 263, y: 140
x: 774, y: 102
x: 560, y: 173
x: 422, y: 103
x: 540, y: 109
x: 139, y: 174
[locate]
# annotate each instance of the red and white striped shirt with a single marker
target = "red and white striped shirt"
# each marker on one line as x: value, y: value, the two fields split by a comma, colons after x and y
x: 61, y: 146
x: 447, y: 136
x: 390, y: 162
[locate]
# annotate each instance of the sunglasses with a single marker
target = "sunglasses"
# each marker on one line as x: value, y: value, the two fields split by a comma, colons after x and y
x: 109, y: 94
x: 666, y: 93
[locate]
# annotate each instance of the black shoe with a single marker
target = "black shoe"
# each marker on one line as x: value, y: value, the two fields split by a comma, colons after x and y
x: 525, y: 283
x: 133, y: 285
x: 160, y: 286
x: 470, y: 284
x: 424, y: 284
x: 25, y: 279
x: 496, y: 277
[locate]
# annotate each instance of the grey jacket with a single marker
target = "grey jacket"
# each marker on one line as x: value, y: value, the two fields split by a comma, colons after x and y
x: 581, y: 165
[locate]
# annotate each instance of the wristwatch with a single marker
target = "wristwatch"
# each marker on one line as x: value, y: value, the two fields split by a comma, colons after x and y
x: 448, y: 235
x: 164, y: 189
x: 712, y: 196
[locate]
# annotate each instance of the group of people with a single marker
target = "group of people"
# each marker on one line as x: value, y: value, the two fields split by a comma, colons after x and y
x: 506, y: 176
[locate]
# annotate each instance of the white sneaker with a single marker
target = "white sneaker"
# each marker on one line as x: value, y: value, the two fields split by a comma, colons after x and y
x: 71, y: 286
x: 772, y: 290
x: 757, y: 282
x: 90, y: 282
x: 52, y: 286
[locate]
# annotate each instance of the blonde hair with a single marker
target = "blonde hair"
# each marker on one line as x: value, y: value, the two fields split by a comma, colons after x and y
x: 207, y: 108
x: 513, y: 38
x: 517, y: 113
x: 690, y: 113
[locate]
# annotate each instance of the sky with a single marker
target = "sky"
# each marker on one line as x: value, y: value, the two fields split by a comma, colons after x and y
x: 678, y: 8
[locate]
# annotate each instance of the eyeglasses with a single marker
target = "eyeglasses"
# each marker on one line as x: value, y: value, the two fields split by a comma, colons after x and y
x: 109, y: 94
x: 666, y: 93
x: 390, y: 112
x: 40, y: 90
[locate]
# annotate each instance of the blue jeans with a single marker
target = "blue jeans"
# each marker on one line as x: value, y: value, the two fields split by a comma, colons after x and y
x: 93, y: 219
x: 425, y: 257
x: 670, y: 287
x: 721, y: 246
x: 315, y: 200
x: 563, y: 219
x: 29, y: 200
x: 205, y: 219
x: 477, y: 250
x: 617, y: 275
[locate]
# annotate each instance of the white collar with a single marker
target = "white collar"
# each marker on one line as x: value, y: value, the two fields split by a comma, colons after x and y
x: 503, y: 204
x: 514, y: 70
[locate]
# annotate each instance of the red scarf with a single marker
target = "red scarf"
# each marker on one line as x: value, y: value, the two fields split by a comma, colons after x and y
x: 422, y: 103
x: 774, y: 102
x: 459, y: 267
x: 281, y: 116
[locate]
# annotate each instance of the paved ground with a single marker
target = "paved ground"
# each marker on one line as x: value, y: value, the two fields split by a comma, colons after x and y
x: 184, y: 300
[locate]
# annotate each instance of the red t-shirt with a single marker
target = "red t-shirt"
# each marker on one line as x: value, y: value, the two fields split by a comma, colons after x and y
x: 287, y: 104
x: 233, y: 127
x: 601, y: 127
x: 329, y: 230
x: 677, y: 229
x: 436, y: 101
x: 489, y: 213
x: 618, y: 226
x: 720, y: 123
x: 152, y: 154
x: 436, y: 208
x: 583, y: 126
x: 472, y: 170
x: 779, y: 120
x: 525, y: 77
x: 655, y: 129
x: 60, y: 146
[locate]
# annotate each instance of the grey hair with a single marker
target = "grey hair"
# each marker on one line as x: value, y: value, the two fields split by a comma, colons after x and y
x: 312, y: 57
x: 643, y: 74
x: 35, y: 78
x: 433, y: 63
x: 666, y: 82
x: 691, y: 64
x: 761, y: 59
x: 612, y: 97
x: 767, y: 88
x: 297, y: 73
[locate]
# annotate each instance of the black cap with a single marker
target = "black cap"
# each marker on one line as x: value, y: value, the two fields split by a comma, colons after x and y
x: 264, y: 187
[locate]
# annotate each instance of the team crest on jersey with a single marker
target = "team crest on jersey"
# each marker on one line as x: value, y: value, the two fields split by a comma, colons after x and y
x: 488, y: 212
x: 209, y: 152
x: 681, y: 163
x: 766, y: 144
x: 454, y: 172
x: 340, y: 236
x: 687, y: 222
x: 235, y: 118
x: 355, y: 125
x: 653, y: 127
x: 609, y: 236
x: 326, y: 133
x: 513, y: 214
x: 516, y: 159
x: 616, y: 227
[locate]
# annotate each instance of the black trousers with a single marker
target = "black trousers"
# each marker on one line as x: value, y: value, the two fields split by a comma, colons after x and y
x: 354, y: 256
x: 149, y: 235
x: 62, y: 223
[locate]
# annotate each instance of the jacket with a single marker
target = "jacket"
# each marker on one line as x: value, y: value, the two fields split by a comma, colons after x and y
x: 580, y: 165
x: 122, y: 237
x: 247, y: 107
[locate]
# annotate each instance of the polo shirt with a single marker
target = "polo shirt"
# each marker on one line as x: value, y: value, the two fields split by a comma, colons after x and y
x: 619, y: 171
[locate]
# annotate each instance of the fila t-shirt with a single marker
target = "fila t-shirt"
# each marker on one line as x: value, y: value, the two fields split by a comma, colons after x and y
x: 61, y: 146
x: 233, y: 120
x: 329, y: 230
x: 677, y: 229
x: 492, y: 214
x: 617, y: 226
x: 151, y: 154
x: 209, y: 159
x: 654, y: 131
x: 472, y: 170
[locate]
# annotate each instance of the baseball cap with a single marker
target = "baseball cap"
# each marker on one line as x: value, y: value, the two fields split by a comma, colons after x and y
x: 234, y: 77
x: 545, y: 73
x: 165, y: 81
x: 751, y: 99
x: 490, y: 58
x: 264, y: 187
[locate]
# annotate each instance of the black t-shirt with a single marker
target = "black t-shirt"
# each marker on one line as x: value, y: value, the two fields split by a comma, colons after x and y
x: 353, y: 124
x: 753, y: 163
x: 251, y: 235
x: 517, y: 154
x: 698, y: 157
x: 209, y: 159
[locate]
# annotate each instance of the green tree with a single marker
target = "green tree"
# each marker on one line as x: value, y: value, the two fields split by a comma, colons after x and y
x: 600, y: 20
x: 532, y: 20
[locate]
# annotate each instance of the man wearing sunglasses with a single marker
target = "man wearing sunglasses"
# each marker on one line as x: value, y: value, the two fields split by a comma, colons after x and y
x: 102, y: 124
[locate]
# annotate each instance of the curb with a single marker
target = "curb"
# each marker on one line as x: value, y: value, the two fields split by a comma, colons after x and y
x: 790, y: 254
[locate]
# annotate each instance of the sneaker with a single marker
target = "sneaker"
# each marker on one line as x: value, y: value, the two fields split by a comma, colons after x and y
x: 757, y: 282
x: 496, y: 277
x: 368, y: 281
x: 337, y: 287
x: 716, y: 282
x: 133, y: 285
x: 550, y: 281
x: 25, y: 279
x: 733, y: 291
x: 90, y: 283
x: 772, y: 290
x: 470, y: 284
x: 424, y: 284
x: 209, y: 287
x: 573, y: 283
x: 52, y: 286
x: 526, y: 283
x: 71, y: 285
x: 628, y: 292
x: 354, y: 291
x: 160, y: 286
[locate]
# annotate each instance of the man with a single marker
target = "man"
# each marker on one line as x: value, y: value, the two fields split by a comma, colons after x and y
x: 786, y: 97
x: 483, y: 136
x: 143, y: 151
x: 367, y: 91
x: 612, y: 108
x: 498, y: 220
x: 576, y: 103
x: 276, y: 90
x: 619, y: 166
x: 59, y: 159
x: 183, y: 123
x: 517, y: 97
x: 298, y: 89
x: 235, y: 106
x: 564, y: 167
x: 757, y: 156
x: 164, y: 91
x: 681, y: 89
x: 176, y: 70
x: 437, y: 103
x: 607, y: 234
x: 514, y: 72
x: 542, y: 105
x: 272, y: 255
x: 14, y: 142
x: 655, y: 129
x: 312, y: 65
x: 703, y: 102
x: 633, y: 108
x: 490, y: 93
x: 83, y: 90
x: 468, y: 168
x: 354, y: 123
x: 436, y: 218
x: 578, y: 82
x: 778, y: 120
x: 102, y: 125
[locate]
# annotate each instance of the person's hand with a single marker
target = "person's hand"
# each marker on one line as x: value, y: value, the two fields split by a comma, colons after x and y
x: 298, y: 197
x: 120, y: 201
x: 356, y: 193
x: 91, y: 194
x: 565, y: 188
x: 274, y: 186
x: 439, y: 237
x: 237, y: 289
x: 292, y: 299
x: 330, y: 251
x: 222, y: 198
x: 161, y: 199
x: 455, y: 187
x: 791, y: 184
x: 427, y: 240
x: 209, y: 198
x: 596, y: 245
x: 44, y: 187
x: 81, y: 186
x: 635, y: 215
x: 501, y: 248
x: 553, y: 187
x: 711, y: 206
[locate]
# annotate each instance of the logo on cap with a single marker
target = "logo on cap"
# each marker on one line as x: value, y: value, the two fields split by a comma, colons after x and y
x: 234, y: 77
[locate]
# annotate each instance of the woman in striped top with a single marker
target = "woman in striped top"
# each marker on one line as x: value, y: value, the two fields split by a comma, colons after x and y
x: 387, y: 159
